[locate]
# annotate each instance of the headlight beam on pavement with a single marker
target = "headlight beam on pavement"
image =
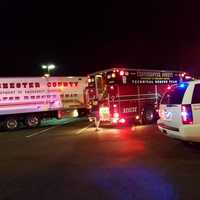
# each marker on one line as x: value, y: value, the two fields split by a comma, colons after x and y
x: 84, y: 129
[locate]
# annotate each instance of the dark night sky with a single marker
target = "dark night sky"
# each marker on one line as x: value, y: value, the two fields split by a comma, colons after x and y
x: 84, y: 36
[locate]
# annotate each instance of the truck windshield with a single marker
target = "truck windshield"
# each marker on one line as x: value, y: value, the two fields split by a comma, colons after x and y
x: 174, y: 95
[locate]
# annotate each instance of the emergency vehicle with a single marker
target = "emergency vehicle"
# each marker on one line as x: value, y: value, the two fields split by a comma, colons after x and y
x: 28, y: 100
x: 126, y: 95
x: 179, y: 112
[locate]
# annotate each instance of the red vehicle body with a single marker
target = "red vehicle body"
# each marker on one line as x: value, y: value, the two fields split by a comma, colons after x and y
x: 126, y: 95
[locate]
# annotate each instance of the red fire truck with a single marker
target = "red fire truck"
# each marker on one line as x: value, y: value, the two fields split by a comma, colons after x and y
x: 125, y: 95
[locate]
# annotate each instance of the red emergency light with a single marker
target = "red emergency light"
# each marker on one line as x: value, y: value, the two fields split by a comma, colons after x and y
x: 183, y: 74
x: 113, y: 75
x: 169, y: 87
x: 121, y: 73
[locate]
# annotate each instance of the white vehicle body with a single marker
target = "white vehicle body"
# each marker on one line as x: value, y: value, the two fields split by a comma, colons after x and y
x: 20, y: 97
x: 71, y: 91
x: 180, y: 112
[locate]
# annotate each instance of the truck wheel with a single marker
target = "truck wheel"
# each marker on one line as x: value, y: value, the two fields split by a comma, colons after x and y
x: 82, y: 112
x: 11, y: 124
x: 149, y: 116
x: 32, y: 121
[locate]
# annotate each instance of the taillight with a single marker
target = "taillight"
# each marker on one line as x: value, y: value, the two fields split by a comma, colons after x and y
x: 137, y: 117
x: 122, y: 121
x: 186, y: 114
x: 116, y: 115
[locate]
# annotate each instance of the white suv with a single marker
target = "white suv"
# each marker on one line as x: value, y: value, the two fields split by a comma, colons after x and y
x: 179, y: 112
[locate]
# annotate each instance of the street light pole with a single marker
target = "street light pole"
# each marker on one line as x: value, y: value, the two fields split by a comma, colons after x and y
x: 49, y: 68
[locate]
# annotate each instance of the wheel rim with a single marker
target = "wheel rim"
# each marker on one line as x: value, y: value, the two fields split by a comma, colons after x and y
x: 11, y: 124
x: 33, y: 121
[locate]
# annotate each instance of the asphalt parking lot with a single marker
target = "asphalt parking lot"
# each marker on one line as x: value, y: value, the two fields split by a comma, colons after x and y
x: 73, y: 161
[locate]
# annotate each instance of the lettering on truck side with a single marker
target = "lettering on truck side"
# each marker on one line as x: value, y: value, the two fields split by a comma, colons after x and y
x: 19, y: 85
x: 62, y: 84
x: 37, y: 85
x: 129, y: 110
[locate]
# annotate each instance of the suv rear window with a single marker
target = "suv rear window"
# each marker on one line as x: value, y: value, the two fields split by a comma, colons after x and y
x: 196, y: 94
x: 174, y: 95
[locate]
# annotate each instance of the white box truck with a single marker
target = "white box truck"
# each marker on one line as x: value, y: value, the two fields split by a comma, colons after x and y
x: 28, y: 100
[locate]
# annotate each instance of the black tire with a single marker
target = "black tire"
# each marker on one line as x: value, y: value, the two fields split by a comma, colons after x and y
x: 32, y: 121
x: 11, y: 124
x: 149, y: 116
x: 82, y: 112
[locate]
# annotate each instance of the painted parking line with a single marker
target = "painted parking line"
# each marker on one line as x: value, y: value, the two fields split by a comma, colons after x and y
x: 69, y: 121
x: 40, y: 132
x: 47, y: 129
x: 83, y: 129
